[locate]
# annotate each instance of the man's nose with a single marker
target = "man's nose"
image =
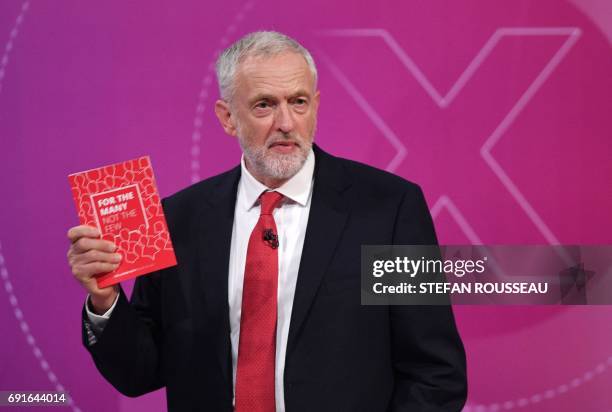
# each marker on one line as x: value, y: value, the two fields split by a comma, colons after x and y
x: 284, y: 118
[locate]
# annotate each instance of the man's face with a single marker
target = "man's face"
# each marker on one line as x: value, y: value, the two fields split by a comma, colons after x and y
x: 274, y: 114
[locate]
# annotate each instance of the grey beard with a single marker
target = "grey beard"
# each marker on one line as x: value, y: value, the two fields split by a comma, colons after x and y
x: 275, y: 165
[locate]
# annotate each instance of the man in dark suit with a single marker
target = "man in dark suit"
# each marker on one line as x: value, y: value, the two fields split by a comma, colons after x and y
x: 263, y: 312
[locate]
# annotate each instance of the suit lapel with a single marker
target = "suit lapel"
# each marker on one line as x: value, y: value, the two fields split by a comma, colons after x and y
x: 215, y: 231
x: 326, y: 222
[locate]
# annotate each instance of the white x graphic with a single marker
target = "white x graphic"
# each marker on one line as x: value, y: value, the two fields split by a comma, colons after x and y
x: 443, y: 101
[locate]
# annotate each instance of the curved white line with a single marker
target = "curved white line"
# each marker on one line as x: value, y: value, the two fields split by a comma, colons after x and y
x: 196, y: 135
x: 25, y: 329
x: 4, y: 274
x: 548, y: 394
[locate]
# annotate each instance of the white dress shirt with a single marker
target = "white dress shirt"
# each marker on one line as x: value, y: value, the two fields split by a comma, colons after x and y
x: 291, y: 218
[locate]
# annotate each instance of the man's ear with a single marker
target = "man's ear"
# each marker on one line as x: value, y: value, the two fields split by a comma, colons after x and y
x: 222, y: 110
x: 316, y: 100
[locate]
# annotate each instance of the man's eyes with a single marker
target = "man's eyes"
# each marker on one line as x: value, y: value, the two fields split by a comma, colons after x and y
x: 262, y: 105
x: 298, y: 101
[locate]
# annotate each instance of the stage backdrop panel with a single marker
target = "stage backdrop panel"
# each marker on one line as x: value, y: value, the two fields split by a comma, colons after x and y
x: 500, y: 110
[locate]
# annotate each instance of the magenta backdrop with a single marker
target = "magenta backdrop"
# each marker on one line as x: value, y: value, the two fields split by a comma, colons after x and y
x: 501, y: 110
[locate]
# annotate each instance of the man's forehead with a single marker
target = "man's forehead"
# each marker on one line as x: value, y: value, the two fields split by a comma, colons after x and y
x: 283, y: 71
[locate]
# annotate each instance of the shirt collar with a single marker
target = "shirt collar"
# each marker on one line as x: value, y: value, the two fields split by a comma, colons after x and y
x: 297, y: 188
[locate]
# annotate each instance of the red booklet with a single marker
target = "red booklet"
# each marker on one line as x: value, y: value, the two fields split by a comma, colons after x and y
x: 122, y: 201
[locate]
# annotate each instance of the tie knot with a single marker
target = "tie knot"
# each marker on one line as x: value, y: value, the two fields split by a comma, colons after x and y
x: 269, y: 201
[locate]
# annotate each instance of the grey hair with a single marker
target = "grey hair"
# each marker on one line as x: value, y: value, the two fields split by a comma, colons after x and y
x: 259, y: 43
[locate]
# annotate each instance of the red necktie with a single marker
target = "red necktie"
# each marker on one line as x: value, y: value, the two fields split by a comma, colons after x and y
x: 257, y: 345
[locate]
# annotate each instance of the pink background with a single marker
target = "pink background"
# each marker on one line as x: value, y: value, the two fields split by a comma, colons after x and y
x: 500, y: 110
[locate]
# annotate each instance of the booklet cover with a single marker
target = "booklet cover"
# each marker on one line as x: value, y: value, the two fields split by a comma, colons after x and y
x: 122, y: 201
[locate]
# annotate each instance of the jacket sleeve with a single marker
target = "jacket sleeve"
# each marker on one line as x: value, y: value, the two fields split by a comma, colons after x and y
x: 127, y: 351
x: 427, y: 353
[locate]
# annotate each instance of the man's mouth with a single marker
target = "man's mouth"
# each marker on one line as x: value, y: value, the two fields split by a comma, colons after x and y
x: 285, y: 143
x: 284, y: 146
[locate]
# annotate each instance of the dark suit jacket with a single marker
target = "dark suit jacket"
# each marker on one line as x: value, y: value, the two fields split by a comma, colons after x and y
x: 341, y: 356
